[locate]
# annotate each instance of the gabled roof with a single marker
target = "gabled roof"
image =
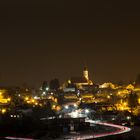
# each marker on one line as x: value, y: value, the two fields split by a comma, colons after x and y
x: 79, y: 80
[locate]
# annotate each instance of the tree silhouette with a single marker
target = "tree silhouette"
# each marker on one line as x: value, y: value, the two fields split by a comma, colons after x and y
x: 137, y: 82
x: 54, y: 84
x: 44, y: 85
x: 132, y: 100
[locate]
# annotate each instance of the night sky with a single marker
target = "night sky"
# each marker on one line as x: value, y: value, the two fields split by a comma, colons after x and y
x: 56, y: 39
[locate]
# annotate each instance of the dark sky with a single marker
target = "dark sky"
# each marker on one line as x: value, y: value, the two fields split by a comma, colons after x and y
x: 41, y: 41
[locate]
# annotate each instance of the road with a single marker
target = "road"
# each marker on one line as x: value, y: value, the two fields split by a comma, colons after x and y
x: 113, y: 130
x: 107, y: 130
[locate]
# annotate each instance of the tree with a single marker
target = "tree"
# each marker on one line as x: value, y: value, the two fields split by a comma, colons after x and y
x: 44, y: 85
x: 132, y: 100
x: 54, y: 84
x: 137, y: 82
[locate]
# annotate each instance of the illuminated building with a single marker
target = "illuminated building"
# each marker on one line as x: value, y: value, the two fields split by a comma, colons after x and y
x: 83, y: 80
x: 4, y: 98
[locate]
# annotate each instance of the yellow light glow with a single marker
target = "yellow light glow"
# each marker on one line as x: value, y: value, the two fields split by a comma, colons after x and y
x: 108, y: 97
x: 36, y: 103
x: 119, y: 93
x: 50, y: 97
x: 28, y: 102
x: 106, y: 85
x: 125, y: 103
x: 58, y: 108
x: 139, y: 100
x: 3, y: 111
x: 122, y: 108
x: 55, y: 100
x: 41, y: 105
x: 130, y: 86
x: 54, y: 106
x: 69, y: 81
x: 9, y: 99
x: 32, y: 100
x: 26, y: 98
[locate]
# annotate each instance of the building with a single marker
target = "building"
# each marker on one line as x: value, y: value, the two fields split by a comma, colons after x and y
x: 82, y: 80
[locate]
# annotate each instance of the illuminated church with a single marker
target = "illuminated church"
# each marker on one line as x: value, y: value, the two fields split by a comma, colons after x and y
x: 83, y: 80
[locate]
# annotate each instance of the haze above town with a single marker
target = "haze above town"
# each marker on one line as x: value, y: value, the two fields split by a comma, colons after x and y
x: 43, y: 41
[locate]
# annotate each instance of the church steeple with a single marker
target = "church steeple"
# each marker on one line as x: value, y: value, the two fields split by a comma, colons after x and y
x: 85, y: 73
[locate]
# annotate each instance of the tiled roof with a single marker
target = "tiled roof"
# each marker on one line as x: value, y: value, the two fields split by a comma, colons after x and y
x: 79, y: 80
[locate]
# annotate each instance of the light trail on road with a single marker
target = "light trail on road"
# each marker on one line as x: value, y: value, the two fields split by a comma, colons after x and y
x: 17, y: 138
x: 120, y: 130
x: 77, y: 136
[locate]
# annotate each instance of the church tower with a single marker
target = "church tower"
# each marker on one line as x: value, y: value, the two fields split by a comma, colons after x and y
x: 85, y: 73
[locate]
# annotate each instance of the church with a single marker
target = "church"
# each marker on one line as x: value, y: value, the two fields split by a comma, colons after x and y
x: 81, y: 81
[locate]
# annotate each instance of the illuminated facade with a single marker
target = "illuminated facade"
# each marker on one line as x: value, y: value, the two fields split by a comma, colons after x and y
x: 85, y: 73
x: 3, y: 99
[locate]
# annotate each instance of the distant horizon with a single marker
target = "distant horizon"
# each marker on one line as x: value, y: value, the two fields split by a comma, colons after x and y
x: 24, y: 84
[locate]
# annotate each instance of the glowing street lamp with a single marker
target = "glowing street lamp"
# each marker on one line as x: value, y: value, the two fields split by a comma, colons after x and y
x: 3, y: 111
x: 66, y: 107
x: 9, y: 99
x: 86, y: 111
x: 125, y: 103
x: 26, y: 98
x: 108, y: 97
x: 47, y: 88
x: 122, y: 108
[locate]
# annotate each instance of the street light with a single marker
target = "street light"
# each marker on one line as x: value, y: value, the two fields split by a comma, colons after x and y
x: 47, y: 88
x: 86, y: 111
x: 66, y: 107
